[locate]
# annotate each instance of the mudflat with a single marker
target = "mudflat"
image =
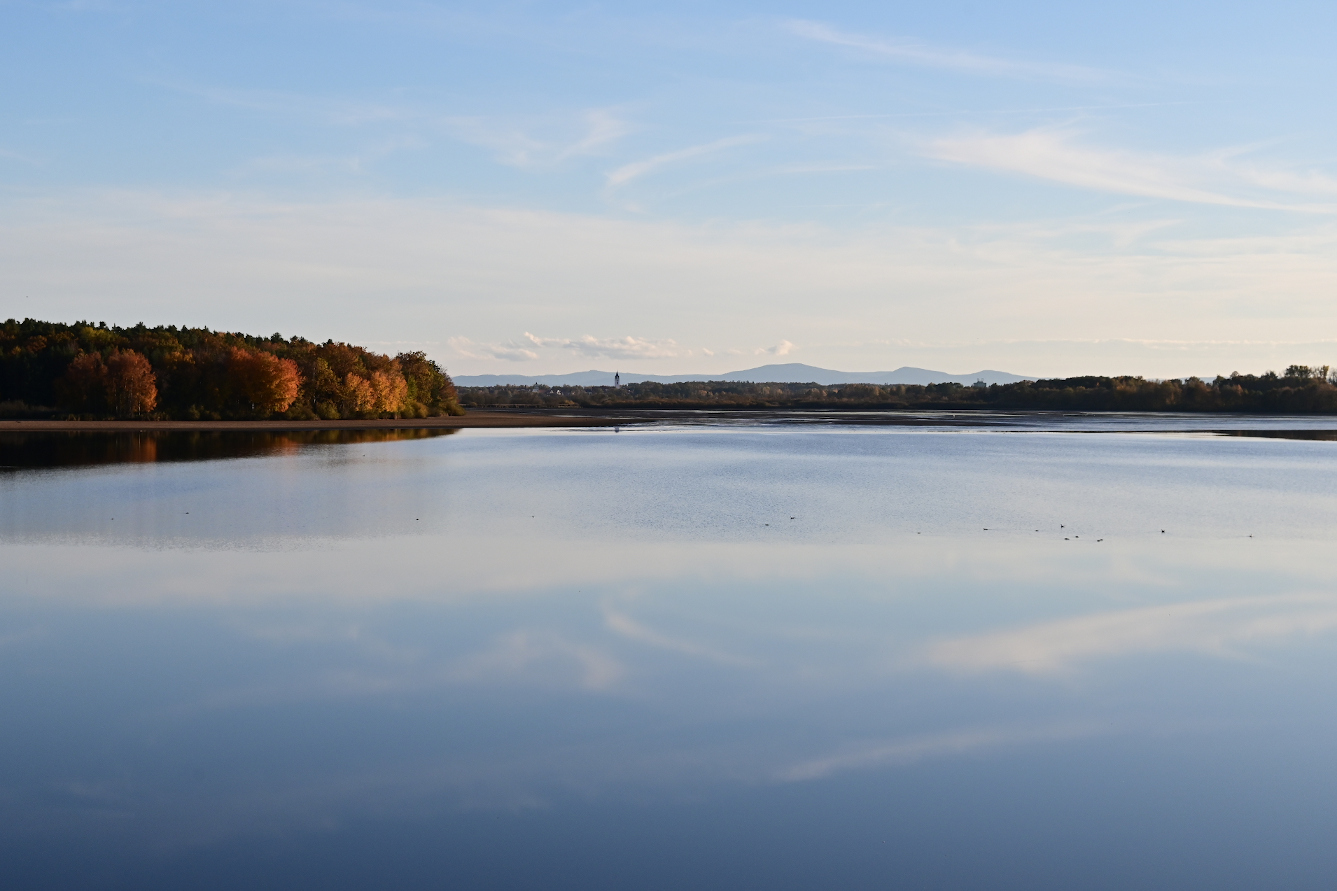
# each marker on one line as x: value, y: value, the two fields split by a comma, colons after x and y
x: 472, y: 419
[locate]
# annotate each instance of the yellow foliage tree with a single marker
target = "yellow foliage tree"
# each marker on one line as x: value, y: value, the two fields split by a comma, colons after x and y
x: 391, y: 390
x: 359, y: 393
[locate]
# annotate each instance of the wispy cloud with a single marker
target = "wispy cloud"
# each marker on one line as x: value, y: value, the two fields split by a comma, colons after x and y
x: 1217, y: 627
x: 1310, y: 183
x: 628, y: 172
x: 918, y: 53
x: 523, y: 142
x: 516, y: 144
x: 603, y: 127
x: 1056, y: 155
x: 512, y: 145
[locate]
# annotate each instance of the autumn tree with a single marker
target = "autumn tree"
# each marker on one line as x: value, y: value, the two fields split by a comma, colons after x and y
x: 132, y: 387
x: 391, y: 391
x: 264, y: 381
x: 94, y: 368
x: 359, y: 396
x: 83, y: 387
x: 430, y: 390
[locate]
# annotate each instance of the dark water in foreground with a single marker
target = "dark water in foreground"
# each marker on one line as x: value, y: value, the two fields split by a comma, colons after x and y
x: 750, y: 656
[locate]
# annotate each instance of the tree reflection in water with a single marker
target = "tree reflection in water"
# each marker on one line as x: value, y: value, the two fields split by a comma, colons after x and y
x: 30, y: 450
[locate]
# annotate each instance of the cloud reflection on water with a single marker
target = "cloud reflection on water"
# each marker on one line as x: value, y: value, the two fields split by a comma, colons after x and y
x: 1213, y: 627
x: 512, y: 622
x: 622, y: 624
x: 539, y: 656
x: 908, y: 750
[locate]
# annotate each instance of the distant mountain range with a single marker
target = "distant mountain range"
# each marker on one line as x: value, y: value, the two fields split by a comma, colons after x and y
x: 788, y: 373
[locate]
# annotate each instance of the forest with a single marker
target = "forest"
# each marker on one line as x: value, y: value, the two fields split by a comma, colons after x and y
x: 91, y: 371
x: 1301, y: 389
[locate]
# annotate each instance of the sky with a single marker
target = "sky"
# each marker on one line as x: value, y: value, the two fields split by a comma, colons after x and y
x: 1044, y: 188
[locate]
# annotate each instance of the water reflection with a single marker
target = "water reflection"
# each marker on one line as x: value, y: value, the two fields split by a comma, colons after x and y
x: 1320, y: 435
x: 32, y: 450
x: 736, y: 657
x: 1226, y: 627
x: 1315, y: 426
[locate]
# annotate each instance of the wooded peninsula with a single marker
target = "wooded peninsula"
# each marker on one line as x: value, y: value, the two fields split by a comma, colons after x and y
x: 90, y: 371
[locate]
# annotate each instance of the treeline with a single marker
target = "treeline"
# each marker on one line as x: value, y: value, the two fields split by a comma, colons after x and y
x: 88, y: 370
x: 1301, y: 389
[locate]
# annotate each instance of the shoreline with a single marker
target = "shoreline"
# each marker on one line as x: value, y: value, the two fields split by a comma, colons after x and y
x: 474, y: 419
x: 1020, y: 420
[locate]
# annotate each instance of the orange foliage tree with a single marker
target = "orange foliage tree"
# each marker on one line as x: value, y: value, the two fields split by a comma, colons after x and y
x: 265, y: 381
x: 132, y: 387
x: 198, y: 374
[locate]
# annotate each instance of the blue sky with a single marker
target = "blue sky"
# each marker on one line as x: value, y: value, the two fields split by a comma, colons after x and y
x: 1041, y: 187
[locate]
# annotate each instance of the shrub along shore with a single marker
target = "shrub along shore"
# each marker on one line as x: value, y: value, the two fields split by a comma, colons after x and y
x: 87, y: 371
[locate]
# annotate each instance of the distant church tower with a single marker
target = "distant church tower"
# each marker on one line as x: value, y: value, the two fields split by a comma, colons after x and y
x: 617, y: 378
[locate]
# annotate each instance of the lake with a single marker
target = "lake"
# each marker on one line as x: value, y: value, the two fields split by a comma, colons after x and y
x: 808, y: 651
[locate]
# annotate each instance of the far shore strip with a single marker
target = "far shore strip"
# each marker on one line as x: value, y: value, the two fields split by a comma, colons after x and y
x: 472, y: 419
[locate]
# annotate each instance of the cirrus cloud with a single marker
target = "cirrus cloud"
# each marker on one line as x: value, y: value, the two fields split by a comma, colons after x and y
x: 915, y: 52
x: 1057, y: 155
x: 628, y: 172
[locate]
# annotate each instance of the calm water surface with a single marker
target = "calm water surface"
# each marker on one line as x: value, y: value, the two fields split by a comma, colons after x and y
x: 752, y: 655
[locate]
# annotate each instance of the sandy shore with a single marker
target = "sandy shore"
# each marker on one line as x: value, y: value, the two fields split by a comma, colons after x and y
x: 472, y: 419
